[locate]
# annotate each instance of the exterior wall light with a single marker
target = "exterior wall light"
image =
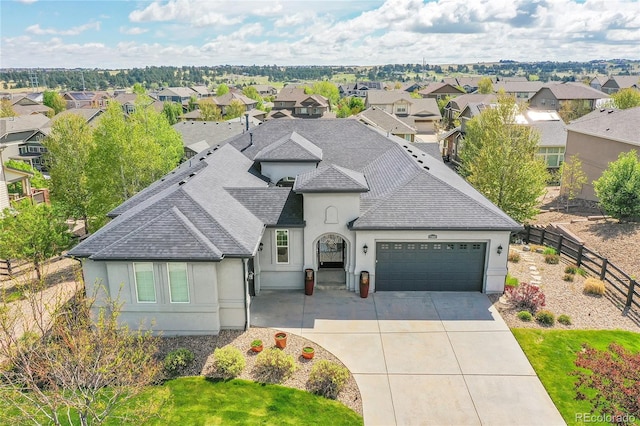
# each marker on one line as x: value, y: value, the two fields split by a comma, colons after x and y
x: 500, y: 249
x: 260, y: 247
x: 365, y: 248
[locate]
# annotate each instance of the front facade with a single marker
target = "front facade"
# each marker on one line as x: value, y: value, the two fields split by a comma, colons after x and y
x: 554, y: 95
x: 255, y: 212
x: 298, y: 104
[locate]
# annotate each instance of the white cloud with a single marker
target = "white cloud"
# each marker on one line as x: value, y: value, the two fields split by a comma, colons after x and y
x: 27, y: 1
x: 133, y: 30
x: 38, y: 30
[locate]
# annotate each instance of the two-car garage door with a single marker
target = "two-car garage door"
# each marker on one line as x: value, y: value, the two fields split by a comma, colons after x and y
x: 429, y: 266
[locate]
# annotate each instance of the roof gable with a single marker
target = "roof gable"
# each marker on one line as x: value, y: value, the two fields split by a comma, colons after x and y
x: 293, y: 147
x: 331, y: 179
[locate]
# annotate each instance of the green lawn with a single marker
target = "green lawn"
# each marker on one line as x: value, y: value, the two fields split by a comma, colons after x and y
x: 552, y: 355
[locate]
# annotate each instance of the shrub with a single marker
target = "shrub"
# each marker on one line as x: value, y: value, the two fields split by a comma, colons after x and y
x: 594, y: 286
x: 552, y: 259
x: 526, y: 296
x: 274, y: 366
x: 571, y: 269
x: 177, y: 360
x: 327, y: 379
x: 609, y: 380
x: 511, y: 281
x: 513, y: 257
x: 568, y: 277
x: 581, y: 272
x: 256, y: 343
x: 549, y: 250
x: 228, y: 361
x: 564, y: 319
x: 545, y: 317
x: 525, y: 316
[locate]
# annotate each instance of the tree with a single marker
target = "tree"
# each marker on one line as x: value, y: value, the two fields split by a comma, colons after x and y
x: 172, y: 111
x: 485, y: 85
x: 69, y: 147
x: 6, y: 109
x: 574, y: 109
x: 193, y: 103
x: 415, y: 94
x: 222, y: 89
x: 326, y: 89
x: 349, y: 106
x: 618, y: 189
x: 572, y: 177
x: 626, y: 98
x: 139, y: 89
x: 74, y: 362
x: 235, y: 109
x: 54, y: 100
x: 252, y: 93
x: 37, y: 181
x: 129, y: 155
x: 499, y: 160
x: 209, y: 111
x: 33, y: 232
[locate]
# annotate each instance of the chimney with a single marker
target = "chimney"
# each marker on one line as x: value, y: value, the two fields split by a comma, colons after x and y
x: 246, y: 120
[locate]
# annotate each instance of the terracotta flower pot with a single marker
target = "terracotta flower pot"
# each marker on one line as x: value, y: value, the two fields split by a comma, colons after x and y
x: 281, y: 340
x: 308, y: 352
x: 257, y: 348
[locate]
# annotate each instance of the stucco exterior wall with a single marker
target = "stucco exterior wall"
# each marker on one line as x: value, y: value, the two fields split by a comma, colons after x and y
x: 595, y: 153
x: 495, y: 264
x: 276, y: 171
x: 216, y: 296
x: 280, y: 276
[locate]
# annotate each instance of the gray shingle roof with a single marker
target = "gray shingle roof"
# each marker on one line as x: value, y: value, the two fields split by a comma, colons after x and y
x: 620, y: 125
x: 273, y: 205
x: 385, y: 121
x: 568, y: 91
x: 331, y: 178
x: 213, y: 132
x: 293, y: 147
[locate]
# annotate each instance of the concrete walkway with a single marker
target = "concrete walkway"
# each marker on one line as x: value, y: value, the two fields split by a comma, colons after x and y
x: 419, y: 357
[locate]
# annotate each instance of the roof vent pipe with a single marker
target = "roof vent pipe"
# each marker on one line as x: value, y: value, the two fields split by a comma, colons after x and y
x: 246, y: 120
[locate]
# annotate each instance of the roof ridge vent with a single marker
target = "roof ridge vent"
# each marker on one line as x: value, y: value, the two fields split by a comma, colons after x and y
x: 182, y: 182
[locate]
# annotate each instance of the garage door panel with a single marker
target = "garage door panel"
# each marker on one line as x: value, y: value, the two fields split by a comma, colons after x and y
x: 429, y: 266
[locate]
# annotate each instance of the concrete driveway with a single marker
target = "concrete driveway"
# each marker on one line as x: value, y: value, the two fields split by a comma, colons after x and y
x: 419, y: 357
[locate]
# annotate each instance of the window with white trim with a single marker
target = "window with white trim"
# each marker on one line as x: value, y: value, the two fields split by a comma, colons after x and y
x: 552, y: 156
x: 282, y: 246
x: 178, y: 283
x: 145, y: 282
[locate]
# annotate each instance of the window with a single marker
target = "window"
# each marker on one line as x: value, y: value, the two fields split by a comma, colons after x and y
x: 178, y: 283
x: 552, y: 157
x: 145, y: 282
x: 282, y: 246
x: 303, y: 110
x: 401, y: 109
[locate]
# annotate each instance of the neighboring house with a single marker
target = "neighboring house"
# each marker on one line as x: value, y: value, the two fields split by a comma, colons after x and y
x: 189, y: 252
x: 421, y: 113
x: 469, y: 84
x: 202, y: 91
x: 598, y: 138
x: 553, y: 95
x: 4, y: 192
x: 24, y: 105
x: 198, y: 136
x: 388, y: 123
x: 100, y: 99
x: 180, y: 95
x: 597, y: 82
x: 265, y: 90
x: 225, y: 100
x: 10, y: 176
x: 299, y: 104
x: 359, y: 89
x: 440, y: 90
x: 90, y: 115
x: 553, y: 135
x: 455, y: 106
x: 130, y: 100
x: 619, y: 82
x: 22, y: 138
x: 412, y: 87
x: 79, y: 99
x: 521, y: 90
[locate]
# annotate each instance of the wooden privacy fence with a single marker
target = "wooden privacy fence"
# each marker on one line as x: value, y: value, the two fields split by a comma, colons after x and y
x: 622, y: 284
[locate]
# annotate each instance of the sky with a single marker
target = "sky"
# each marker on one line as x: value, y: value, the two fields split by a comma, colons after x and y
x: 127, y: 34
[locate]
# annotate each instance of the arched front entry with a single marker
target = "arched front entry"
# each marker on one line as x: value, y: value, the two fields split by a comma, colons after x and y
x: 330, y: 251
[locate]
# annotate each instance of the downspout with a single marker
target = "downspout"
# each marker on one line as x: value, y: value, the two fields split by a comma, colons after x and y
x: 246, y: 293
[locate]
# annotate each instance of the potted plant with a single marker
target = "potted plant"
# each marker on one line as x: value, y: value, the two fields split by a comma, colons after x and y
x: 281, y: 339
x: 256, y: 345
x: 308, y: 352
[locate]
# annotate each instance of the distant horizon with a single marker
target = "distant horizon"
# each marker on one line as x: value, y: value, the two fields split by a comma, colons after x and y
x: 114, y: 35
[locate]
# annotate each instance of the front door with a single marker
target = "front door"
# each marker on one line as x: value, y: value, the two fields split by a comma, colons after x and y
x: 331, y: 251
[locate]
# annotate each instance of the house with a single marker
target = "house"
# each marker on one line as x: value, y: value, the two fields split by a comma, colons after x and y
x: 455, y: 106
x: 100, y: 99
x: 129, y: 101
x: 597, y: 82
x: 360, y: 89
x: 79, y: 99
x: 12, y: 193
x: 21, y: 136
x: 618, y: 82
x: 189, y: 252
x: 598, y: 138
x: 202, y: 91
x: 225, y: 100
x: 521, y: 90
x: 440, y: 91
x: 299, y: 104
x: 198, y: 136
x: 90, y: 115
x: 180, y: 95
x: 265, y: 90
x: 386, y: 122
x: 421, y: 113
x: 24, y: 105
x: 469, y: 83
x: 553, y: 95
